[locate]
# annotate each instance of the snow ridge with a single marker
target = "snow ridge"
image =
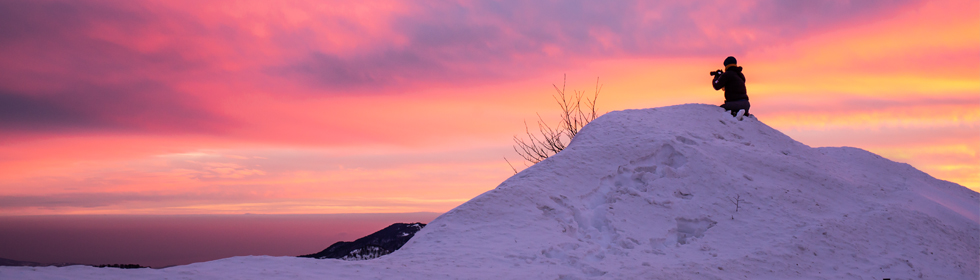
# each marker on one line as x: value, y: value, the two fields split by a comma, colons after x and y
x: 650, y: 194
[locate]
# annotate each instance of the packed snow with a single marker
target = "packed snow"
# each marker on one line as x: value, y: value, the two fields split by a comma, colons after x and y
x: 652, y: 194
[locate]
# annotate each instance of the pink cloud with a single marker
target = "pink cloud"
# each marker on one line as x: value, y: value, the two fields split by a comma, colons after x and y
x: 148, y: 66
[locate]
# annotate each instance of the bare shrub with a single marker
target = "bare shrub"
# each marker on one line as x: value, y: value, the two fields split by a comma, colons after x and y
x: 553, y: 139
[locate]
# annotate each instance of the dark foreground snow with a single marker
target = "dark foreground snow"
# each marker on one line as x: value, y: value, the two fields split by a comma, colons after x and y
x: 650, y: 194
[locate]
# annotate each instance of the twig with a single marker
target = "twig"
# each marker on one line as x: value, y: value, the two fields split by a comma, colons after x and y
x: 511, y: 165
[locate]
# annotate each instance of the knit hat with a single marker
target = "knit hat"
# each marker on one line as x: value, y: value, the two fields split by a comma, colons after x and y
x: 730, y: 60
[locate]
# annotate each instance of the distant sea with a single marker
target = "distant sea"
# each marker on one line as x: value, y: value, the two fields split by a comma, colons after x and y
x: 166, y: 240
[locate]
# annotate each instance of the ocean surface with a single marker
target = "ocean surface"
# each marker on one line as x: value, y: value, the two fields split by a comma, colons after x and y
x: 167, y: 240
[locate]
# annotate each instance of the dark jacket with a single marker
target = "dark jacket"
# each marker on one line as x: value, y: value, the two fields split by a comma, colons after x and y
x: 734, y: 83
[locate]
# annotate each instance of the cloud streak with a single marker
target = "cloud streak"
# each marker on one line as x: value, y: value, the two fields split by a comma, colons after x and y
x: 487, y: 40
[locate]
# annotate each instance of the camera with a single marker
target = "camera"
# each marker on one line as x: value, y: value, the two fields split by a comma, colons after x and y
x: 717, y: 72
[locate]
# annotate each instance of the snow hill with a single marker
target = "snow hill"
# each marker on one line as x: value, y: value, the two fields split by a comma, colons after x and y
x: 651, y: 194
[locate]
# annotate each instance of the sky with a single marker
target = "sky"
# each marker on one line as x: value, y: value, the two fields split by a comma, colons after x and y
x: 319, y: 107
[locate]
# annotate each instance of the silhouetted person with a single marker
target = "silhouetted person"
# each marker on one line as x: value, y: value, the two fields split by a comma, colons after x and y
x: 732, y: 82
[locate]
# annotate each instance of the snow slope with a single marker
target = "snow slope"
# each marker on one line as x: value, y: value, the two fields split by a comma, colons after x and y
x: 650, y: 194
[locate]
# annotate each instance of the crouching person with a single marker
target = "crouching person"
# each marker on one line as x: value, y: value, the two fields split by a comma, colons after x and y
x: 732, y: 82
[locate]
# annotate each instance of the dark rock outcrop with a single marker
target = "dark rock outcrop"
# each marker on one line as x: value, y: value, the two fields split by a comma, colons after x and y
x: 377, y: 244
x: 123, y: 266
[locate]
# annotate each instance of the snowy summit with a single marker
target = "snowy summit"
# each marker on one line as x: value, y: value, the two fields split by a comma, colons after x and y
x: 679, y: 192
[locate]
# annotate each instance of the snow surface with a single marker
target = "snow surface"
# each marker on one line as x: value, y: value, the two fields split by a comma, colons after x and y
x: 650, y: 194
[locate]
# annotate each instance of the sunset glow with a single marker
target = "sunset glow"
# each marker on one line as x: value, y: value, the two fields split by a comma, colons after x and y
x: 220, y: 107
